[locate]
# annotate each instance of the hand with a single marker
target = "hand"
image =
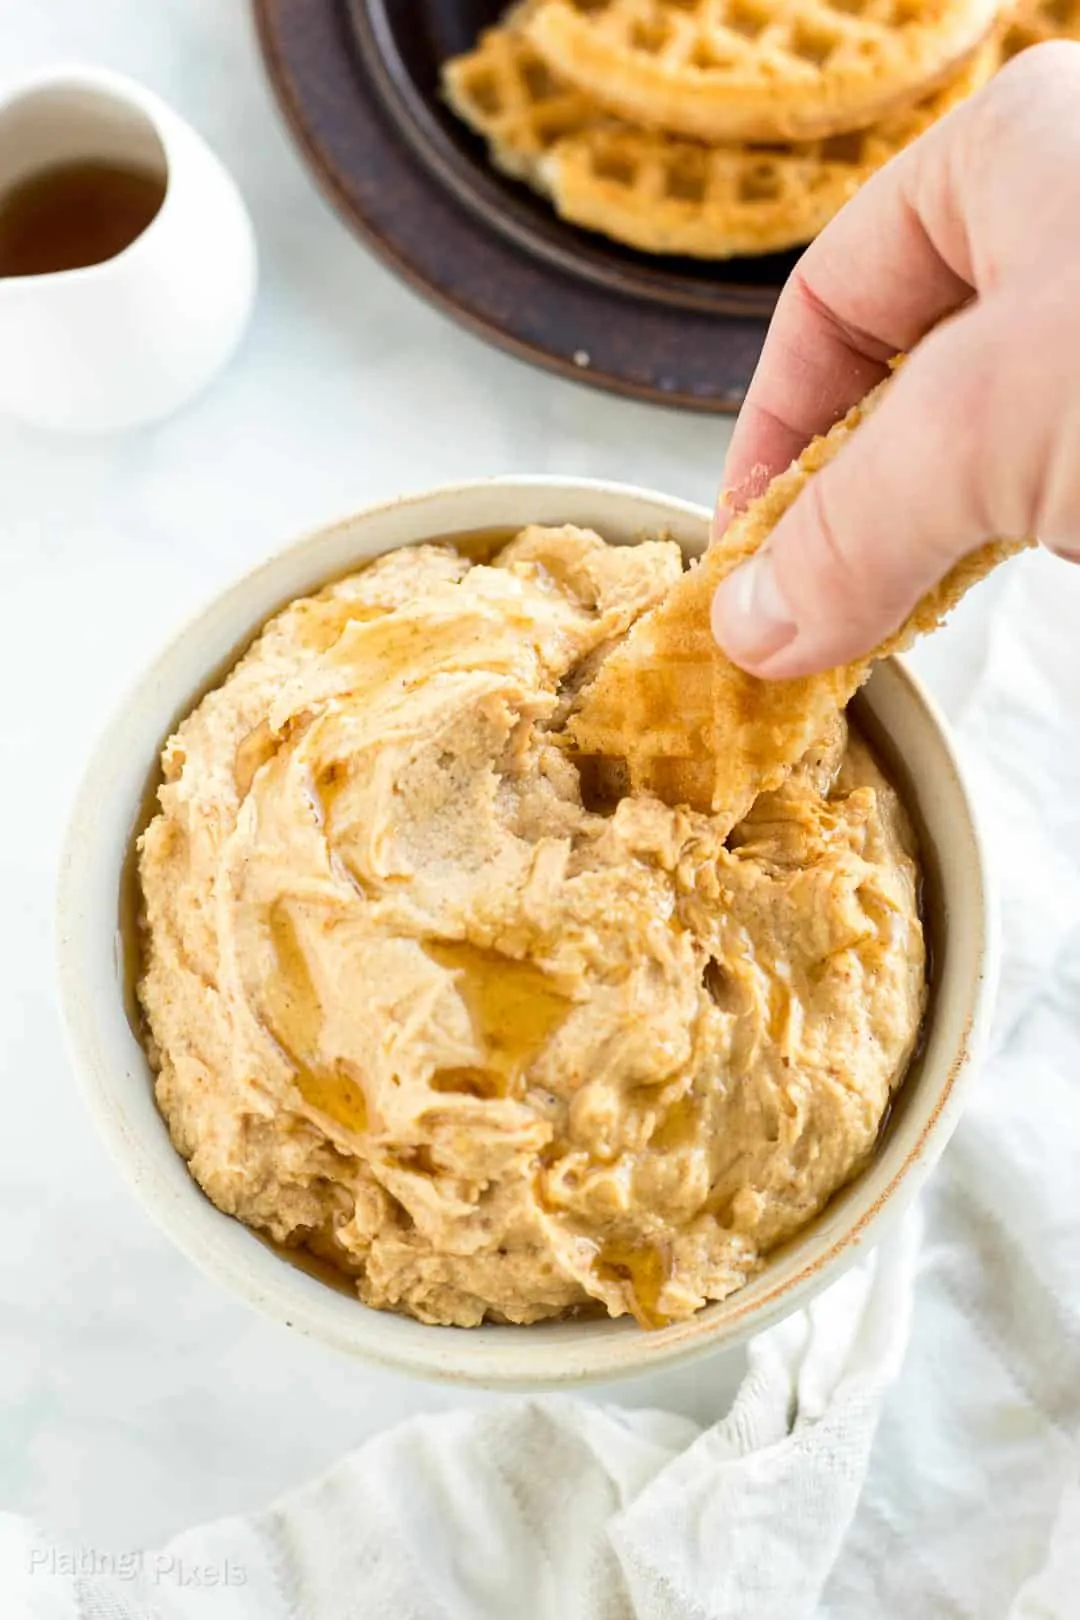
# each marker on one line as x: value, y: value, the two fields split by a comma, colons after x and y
x: 979, y: 435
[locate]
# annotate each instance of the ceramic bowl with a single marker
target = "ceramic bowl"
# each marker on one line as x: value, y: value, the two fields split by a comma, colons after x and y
x: 117, y: 1079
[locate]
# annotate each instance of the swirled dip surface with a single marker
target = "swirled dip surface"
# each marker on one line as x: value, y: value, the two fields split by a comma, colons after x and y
x: 418, y: 1002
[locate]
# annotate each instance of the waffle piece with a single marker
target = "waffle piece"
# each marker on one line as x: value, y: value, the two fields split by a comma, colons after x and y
x: 655, y: 192
x: 1033, y: 22
x: 757, y: 70
x: 664, y: 195
x: 691, y: 726
x: 505, y: 91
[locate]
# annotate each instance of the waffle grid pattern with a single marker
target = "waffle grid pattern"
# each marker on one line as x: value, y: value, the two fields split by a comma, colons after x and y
x: 756, y: 69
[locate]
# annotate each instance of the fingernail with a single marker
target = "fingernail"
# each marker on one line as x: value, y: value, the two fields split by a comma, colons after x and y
x: 733, y: 498
x: 750, y: 616
x: 722, y: 515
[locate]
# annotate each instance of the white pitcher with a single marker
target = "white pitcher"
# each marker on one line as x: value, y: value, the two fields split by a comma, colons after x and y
x: 132, y: 338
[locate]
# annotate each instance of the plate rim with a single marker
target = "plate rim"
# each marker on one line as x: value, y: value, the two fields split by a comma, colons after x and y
x: 332, y: 182
x: 652, y: 281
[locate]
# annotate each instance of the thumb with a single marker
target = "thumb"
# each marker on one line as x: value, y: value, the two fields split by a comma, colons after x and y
x: 932, y: 473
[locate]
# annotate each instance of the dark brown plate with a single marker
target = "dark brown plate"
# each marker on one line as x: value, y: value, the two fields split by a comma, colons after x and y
x: 358, y: 81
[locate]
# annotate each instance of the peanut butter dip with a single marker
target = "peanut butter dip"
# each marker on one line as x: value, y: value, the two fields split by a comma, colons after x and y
x: 422, y: 1000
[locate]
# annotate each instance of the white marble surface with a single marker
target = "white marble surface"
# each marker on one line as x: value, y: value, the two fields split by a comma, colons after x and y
x: 134, y: 1396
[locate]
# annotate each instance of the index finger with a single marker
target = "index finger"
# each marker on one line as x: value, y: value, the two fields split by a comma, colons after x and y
x: 889, y: 267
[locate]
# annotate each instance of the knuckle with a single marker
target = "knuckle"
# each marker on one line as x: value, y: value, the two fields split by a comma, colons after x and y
x: 835, y: 574
x: 965, y: 410
x: 832, y: 560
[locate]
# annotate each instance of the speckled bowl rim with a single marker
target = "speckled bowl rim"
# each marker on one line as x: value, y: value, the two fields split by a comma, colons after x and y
x: 115, y: 1075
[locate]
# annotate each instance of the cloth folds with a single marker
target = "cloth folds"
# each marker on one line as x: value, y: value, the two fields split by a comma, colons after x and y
x: 552, y: 1507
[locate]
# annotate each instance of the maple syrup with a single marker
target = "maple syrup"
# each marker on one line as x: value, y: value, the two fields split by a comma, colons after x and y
x: 515, y: 1009
x: 295, y: 1018
x: 644, y: 1269
x: 73, y: 215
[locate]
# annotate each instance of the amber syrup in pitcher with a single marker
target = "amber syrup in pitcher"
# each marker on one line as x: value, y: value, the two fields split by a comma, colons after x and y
x: 73, y: 215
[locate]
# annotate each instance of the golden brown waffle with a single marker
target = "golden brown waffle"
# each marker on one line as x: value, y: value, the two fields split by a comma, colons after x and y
x: 505, y: 92
x: 757, y: 70
x: 665, y: 195
x: 661, y: 194
x: 694, y: 728
x: 1032, y: 22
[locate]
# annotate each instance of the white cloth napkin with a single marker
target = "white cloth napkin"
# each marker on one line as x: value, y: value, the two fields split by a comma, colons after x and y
x: 552, y: 1507
x: 952, y: 1495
